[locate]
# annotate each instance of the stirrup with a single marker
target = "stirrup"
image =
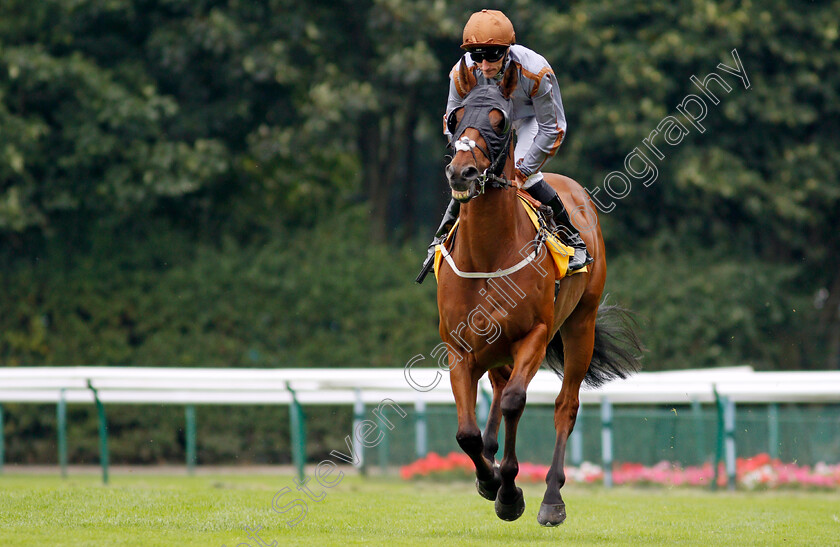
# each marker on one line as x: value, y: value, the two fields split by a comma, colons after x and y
x: 580, y: 259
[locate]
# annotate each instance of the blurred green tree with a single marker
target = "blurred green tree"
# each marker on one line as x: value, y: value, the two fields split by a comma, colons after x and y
x: 761, y: 182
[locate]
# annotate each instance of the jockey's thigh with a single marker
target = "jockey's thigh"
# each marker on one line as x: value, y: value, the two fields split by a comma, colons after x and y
x: 526, y: 132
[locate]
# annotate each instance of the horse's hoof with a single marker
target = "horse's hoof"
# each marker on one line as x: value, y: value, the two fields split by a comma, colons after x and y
x: 488, y: 489
x: 513, y: 511
x: 552, y: 515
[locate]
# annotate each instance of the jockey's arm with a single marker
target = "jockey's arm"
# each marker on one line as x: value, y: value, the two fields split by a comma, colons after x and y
x: 551, y: 123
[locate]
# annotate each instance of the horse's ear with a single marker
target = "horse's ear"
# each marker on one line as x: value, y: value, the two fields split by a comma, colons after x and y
x: 466, y: 78
x: 509, y: 81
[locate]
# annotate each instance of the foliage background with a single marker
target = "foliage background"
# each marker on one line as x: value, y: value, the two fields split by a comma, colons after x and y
x: 229, y: 183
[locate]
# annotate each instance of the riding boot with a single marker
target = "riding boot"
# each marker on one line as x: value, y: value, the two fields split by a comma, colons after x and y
x: 449, y: 218
x: 548, y: 196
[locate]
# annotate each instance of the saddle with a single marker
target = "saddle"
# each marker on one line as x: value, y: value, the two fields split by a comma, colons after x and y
x: 542, y: 220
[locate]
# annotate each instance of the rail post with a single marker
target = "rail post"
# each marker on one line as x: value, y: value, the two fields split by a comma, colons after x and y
x: 699, y: 431
x: 607, y: 441
x: 2, y: 441
x: 482, y: 411
x: 773, y: 430
x: 718, y: 437
x: 384, y: 451
x: 421, y: 432
x: 61, y: 419
x: 358, y: 418
x: 190, y: 435
x: 103, y: 433
x: 298, y: 430
x: 729, y: 426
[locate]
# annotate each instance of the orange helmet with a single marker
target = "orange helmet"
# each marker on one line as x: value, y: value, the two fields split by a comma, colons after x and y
x: 488, y: 28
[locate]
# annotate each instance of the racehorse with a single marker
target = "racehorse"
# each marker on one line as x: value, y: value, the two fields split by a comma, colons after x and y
x: 498, y: 311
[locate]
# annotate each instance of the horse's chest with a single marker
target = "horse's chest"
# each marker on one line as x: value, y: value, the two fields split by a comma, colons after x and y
x: 488, y: 325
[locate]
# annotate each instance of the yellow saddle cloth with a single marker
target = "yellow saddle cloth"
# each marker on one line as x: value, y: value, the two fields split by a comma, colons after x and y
x: 560, y: 253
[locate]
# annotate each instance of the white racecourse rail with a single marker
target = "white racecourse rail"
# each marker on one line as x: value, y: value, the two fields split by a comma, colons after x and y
x: 312, y: 386
x: 373, y: 386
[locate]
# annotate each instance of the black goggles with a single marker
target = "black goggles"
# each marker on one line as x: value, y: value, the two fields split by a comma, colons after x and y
x: 489, y: 54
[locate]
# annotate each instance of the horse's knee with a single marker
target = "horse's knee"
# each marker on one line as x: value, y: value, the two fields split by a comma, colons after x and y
x: 513, y: 402
x: 469, y: 440
x: 509, y: 469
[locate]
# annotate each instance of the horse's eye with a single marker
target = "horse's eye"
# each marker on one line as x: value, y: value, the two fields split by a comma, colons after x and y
x: 503, y: 125
x: 498, y: 127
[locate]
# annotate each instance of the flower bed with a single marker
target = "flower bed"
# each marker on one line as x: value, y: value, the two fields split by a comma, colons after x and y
x: 758, y: 472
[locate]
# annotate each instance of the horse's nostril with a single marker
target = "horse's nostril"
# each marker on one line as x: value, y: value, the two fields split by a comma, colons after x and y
x: 469, y: 172
x: 448, y: 171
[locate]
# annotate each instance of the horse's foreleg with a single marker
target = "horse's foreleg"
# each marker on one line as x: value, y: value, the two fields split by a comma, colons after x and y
x: 498, y: 378
x: 527, y: 354
x: 464, y: 380
x: 578, y: 340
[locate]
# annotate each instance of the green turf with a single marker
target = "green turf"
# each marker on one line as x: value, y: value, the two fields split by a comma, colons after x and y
x: 212, y: 511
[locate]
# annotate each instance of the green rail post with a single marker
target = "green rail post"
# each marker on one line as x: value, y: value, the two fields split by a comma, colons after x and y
x: 297, y: 421
x: 103, y: 433
x: 61, y: 418
x: 607, y: 441
x: 358, y: 418
x: 718, y: 437
x: 190, y: 438
x: 699, y: 431
x: 482, y: 411
x: 384, y: 451
x: 729, y: 426
x: 773, y: 430
x: 2, y: 442
x: 421, y: 431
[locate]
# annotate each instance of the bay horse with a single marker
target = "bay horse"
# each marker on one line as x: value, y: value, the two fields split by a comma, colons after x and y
x: 504, y: 320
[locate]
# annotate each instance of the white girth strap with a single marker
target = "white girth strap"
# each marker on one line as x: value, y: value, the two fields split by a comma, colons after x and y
x: 488, y: 275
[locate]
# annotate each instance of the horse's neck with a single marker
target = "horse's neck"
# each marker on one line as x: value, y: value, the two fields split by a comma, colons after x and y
x: 488, y: 231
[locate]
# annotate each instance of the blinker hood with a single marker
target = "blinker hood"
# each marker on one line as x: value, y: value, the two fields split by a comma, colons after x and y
x: 477, y: 106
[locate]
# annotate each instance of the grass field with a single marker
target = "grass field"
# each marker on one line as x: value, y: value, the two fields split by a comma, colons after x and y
x: 212, y: 510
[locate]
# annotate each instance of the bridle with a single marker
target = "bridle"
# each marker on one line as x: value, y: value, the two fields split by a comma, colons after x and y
x: 489, y: 177
x: 477, y: 106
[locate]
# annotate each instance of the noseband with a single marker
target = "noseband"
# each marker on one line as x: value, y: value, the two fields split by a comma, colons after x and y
x: 489, y: 176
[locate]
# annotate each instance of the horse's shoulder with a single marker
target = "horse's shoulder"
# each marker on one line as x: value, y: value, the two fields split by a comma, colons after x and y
x: 581, y: 210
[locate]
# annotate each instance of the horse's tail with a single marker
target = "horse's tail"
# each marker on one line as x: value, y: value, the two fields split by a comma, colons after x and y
x: 617, y: 347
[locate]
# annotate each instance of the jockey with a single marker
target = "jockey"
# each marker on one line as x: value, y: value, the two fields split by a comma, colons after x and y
x: 537, y: 117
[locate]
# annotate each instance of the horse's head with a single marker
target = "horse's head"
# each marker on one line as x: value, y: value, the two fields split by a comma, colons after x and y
x: 481, y: 133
